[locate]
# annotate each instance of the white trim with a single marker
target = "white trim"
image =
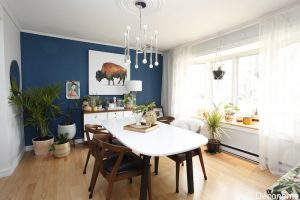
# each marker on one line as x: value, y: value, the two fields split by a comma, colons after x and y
x: 10, y: 14
x: 28, y: 148
x: 75, y: 39
x: 11, y: 169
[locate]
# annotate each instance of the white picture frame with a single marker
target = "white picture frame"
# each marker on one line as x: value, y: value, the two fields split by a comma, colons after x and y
x: 99, y: 84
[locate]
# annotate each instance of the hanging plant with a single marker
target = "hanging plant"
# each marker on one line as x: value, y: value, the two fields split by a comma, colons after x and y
x: 218, y: 74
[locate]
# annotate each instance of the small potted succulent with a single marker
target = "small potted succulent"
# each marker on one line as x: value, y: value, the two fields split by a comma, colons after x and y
x: 61, y: 146
x: 230, y: 111
x: 215, y: 132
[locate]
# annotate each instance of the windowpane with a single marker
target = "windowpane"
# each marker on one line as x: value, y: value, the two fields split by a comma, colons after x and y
x: 248, y: 82
x: 222, y: 89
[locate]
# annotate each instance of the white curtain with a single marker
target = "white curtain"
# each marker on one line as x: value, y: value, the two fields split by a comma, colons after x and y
x: 280, y: 91
x: 174, y: 98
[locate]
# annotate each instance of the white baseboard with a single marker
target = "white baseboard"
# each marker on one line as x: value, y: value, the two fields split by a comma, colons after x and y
x: 11, y: 169
x: 30, y: 148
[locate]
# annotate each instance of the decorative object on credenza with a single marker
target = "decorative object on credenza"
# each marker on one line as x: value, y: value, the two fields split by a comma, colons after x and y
x: 133, y: 87
x: 107, y: 73
x: 73, y: 89
x: 142, y: 47
x: 61, y: 146
x: 230, y: 111
x: 128, y: 101
x: 40, y: 108
x: 159, y: 111
x: 215, y: 132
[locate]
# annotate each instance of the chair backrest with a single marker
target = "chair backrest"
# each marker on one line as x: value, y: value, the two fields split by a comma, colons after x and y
x: 166, y: 119
x: 94, y: 129
x: 189, y: 124
x: 102, y: 148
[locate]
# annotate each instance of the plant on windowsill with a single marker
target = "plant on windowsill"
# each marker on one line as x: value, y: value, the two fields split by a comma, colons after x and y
x: 215, y: 132
x: 69, y: 126
x: 40, y: 108
x: 61, y: 146
x: 230, y: 111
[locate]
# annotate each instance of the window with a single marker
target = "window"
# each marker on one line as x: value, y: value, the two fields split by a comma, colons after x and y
x: 248, y: 83
x: 222, y: 89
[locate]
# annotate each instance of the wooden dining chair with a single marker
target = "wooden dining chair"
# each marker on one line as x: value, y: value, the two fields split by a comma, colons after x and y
x: 124, y: 165
x: 179, y: 159
x: 92, y: 129
x: 166, y: 119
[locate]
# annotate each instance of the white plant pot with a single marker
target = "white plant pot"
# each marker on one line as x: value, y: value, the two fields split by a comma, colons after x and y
x: 70, y: 129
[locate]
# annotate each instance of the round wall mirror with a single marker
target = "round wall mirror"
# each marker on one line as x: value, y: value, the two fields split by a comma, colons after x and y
x: 15, y: 73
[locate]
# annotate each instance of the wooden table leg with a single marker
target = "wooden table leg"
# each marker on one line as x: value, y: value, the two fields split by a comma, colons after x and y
x: 189, y: 172
x: 144, y: 179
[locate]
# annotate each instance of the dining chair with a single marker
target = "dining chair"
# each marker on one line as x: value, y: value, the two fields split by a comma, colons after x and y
x: 166, y: 119
x: 92, y: 129
x: 194, y: 126
x: 124, y: 165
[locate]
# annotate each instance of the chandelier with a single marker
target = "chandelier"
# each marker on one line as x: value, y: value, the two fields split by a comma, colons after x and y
x: 142, y: 47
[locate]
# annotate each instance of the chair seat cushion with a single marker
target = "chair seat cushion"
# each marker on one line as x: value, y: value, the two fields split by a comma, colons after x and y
x: 130, y: 162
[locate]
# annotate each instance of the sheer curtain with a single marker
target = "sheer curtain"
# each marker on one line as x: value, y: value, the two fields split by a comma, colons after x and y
x: 174, y: 86
x: 280, y: 92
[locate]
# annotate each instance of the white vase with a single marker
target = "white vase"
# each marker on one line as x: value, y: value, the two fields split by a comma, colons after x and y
x: 70, y: 129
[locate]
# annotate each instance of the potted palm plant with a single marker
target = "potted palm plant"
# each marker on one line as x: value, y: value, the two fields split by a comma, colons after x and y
x: 39, y: 109
x: 61, y: 146
x: 215, y: 132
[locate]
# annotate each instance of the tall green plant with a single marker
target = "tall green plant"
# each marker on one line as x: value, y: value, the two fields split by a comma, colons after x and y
x: 38, y: 104
x: 213, y: 120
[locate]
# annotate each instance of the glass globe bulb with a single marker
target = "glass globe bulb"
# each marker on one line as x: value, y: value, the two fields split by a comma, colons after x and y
x: 156, y: 63
x: 151, y: 66
x: 136, y: 66
x: 144, y: 61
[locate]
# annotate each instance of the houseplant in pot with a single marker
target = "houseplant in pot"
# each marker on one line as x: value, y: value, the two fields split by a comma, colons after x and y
x: 39, y: 109
x: 219, y: 73
x: 230, y: 111
x: 128, y: 101
x: 215, y: 132
x: 61, y: 146
x: 69, y: 126
x: 149, y: 115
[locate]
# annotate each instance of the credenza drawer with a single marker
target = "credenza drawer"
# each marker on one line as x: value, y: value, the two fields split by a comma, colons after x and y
x: 128, y: 114
x: 115, y: 115
x: 95, y: 117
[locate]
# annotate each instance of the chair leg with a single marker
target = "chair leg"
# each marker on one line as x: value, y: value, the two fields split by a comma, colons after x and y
x: 182, y: 164
x: 177, y: 176
x: 130, y: 180
x: 202, y: 163
x: 149, y: 187
x: 156, y: 162
x: 86, y: 162
x: 94, y: 179
x: 109, y: 190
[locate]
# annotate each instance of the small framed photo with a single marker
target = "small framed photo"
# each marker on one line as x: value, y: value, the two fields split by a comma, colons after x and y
x: 158, y: 111
x: 73, y: 89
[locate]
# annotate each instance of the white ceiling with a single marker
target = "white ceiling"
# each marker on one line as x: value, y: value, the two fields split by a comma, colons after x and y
x: 178, y: 21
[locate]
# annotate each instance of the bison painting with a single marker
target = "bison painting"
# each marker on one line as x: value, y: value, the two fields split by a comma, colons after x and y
x: 111, y: 71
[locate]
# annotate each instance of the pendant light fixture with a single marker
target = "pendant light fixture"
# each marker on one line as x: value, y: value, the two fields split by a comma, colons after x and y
x: 141, y: 45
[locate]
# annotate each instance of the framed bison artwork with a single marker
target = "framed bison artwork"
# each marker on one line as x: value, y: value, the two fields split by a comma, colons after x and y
x: 107, y: 73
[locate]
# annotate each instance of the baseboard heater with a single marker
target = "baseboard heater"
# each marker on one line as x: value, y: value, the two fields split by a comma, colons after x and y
x: 237, y: 149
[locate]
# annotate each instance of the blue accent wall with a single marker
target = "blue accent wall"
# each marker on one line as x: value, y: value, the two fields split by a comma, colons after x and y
x: 47, y: 60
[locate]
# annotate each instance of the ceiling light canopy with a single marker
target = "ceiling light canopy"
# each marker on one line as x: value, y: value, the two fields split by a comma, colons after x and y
x: 144, y: 44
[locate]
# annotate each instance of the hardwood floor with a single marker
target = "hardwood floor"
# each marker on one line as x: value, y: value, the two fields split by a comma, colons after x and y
x: 57, y: 179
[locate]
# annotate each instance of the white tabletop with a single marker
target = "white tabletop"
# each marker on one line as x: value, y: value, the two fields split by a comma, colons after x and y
x: 166, y: 140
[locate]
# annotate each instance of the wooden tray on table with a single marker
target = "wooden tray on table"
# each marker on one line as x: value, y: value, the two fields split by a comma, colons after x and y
x: 140, y: 128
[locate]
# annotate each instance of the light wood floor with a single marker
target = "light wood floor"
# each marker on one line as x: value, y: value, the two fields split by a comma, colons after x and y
x: 57, y: 179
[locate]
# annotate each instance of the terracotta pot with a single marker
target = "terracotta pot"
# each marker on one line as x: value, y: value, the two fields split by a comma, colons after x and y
x: 62, y: 150
x: 213, y: 146
x: 41, y: 146
x: 70, y: 129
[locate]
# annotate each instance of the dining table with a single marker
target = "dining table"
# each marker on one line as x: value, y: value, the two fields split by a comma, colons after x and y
x: 166, y: 140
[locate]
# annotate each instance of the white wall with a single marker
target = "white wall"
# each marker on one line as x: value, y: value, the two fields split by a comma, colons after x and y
x: 11, y: 134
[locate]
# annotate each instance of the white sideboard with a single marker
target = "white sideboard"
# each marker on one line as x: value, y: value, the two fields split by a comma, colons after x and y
x: 94, y: 117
